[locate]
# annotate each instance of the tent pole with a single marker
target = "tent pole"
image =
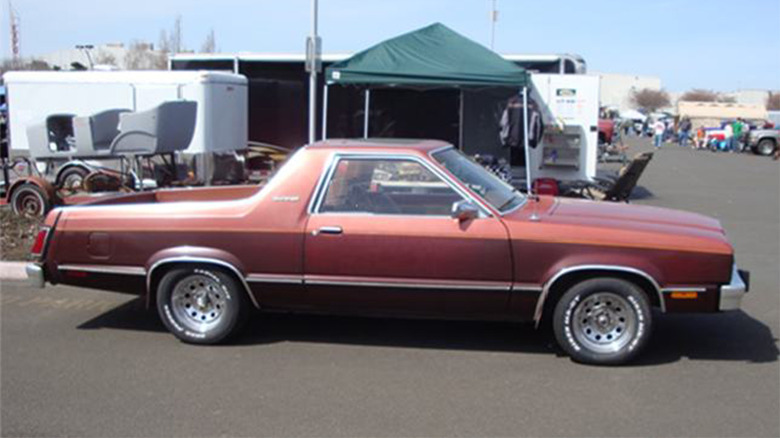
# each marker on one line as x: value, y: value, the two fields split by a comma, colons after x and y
x: 460, y: 122
x: 525, y: 142
x: 366, y: 106
x: 325, y: 112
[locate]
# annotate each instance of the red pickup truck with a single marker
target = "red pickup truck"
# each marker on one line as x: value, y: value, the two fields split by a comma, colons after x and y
x: 395, y: 227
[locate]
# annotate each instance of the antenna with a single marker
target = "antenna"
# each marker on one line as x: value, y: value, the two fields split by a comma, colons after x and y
x: 493, y: 19
x: 16, y: 44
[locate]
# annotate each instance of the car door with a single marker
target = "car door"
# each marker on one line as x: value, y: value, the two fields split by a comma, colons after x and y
x: 381, y: 237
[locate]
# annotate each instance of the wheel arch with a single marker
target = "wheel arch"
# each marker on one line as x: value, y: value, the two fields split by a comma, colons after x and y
x: 559, y: 283
x: 164, y: 260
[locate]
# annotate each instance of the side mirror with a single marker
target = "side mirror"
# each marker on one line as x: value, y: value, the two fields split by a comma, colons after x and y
x: 464, y: 210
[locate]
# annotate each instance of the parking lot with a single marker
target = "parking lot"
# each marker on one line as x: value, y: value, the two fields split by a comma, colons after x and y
x: 78, y: 362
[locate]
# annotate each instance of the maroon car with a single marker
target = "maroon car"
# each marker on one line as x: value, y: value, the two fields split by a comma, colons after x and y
x: 395, y: 227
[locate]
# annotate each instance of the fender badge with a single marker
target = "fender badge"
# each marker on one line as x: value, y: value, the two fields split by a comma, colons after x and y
x: 285, y: 198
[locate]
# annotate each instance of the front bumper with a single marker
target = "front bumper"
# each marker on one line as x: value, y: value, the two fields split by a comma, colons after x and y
x: 731, y: 294
x: 35, y: 275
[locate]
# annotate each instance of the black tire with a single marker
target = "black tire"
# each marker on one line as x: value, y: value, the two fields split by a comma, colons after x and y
x: 201, y: 304
x: 72, y: 178
x: 603, y: 321
x: 765, y: 147
x: 30, y: 200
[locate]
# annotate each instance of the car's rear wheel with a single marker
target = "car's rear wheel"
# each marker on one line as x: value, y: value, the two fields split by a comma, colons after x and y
x: 765, y: 147
x: 201, y: 304
x: 603, y: 321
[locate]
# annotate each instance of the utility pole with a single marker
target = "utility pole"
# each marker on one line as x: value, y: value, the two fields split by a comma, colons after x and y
x: 493, y: 20
x: 313, y: 65
x: 86, y: 48
x: 16, y: 49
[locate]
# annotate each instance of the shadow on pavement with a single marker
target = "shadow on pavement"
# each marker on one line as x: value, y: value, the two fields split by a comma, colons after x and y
x: 731, y: 336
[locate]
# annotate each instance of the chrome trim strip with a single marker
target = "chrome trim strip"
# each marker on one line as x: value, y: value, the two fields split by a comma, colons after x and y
x: 527, y: 287
x: 441, y: 149
x: 327, y: 280
x: 206, y: 260
x: 616, y: 268
x: 731, y: 294
x: 105, y: 269
x: 667, y: 290
x: 275, y: 278
x: 332, y: 163
x: 318, y: 188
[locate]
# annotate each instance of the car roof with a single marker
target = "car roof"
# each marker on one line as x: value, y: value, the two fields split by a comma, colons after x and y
x: 419, y: 145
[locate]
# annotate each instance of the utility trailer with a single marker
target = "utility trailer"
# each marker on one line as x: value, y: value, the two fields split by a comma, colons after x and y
x: 71, y: 124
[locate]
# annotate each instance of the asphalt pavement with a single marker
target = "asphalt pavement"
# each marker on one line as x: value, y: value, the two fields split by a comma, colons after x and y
x: 77, y: 362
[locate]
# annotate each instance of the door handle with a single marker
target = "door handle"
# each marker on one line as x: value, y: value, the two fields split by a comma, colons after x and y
x: 327, y: 230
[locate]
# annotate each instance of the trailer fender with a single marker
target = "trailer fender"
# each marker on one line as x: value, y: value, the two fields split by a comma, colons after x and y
x: 42, y: 183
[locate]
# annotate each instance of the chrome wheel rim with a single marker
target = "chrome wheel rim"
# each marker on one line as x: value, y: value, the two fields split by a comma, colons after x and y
x: 73, y: 182
x: 604, y: 322
x: 198, y: 302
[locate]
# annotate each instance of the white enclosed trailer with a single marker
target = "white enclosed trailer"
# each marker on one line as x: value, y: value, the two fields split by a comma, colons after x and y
x: 221, y: 118
x: 570, y: 103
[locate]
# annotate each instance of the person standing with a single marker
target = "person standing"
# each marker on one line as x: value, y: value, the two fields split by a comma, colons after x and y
x: 728, y: 135
x: 659, y: 128
x: 684, y: 132
x: 736, y: 130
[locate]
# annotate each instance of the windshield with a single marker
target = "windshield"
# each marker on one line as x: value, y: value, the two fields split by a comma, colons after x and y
x: 499, y: 194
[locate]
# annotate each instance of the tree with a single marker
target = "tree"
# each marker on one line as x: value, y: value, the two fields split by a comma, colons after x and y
x: 210, y: 44
x: 702, y: 95
x: 649, y: 99
x: 105, y: 58
x: 773, y: 102
x: 140, y: 56
x: 32, y: 64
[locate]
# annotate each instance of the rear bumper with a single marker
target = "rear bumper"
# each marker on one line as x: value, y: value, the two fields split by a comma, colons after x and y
x: 35, y: 275
x: 731, y: 294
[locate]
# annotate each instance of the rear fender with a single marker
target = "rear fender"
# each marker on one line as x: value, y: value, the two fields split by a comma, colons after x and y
x: 192, y: 255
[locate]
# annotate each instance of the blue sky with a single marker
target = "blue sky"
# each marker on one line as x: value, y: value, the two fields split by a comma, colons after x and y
x: 721, y: 45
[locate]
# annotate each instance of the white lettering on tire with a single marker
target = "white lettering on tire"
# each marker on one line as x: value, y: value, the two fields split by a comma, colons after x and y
x: 567, y: 323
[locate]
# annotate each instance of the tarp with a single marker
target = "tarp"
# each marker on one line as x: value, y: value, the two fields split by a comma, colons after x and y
x: 432, y: 56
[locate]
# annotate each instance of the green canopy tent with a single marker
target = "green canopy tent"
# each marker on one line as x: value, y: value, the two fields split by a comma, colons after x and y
x: 432, y: 57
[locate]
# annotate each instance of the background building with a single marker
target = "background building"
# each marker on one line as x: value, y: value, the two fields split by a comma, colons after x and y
x: 615, y: 89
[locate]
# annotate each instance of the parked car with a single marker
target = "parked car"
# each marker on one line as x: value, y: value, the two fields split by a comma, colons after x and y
x: 395, y: 227
x: 764, y: 141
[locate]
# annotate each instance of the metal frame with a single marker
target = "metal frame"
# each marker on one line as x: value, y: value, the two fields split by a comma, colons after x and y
x: 615, y: 268
x: 366, y: 108
x: 528, y: 184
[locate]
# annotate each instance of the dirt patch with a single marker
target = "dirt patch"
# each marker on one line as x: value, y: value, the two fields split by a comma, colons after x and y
x: 16, y: 235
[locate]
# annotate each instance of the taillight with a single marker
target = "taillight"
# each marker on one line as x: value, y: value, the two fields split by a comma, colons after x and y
x: 40, y: 242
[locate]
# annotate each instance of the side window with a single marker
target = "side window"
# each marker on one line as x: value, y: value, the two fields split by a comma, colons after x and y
x: 384, y: 186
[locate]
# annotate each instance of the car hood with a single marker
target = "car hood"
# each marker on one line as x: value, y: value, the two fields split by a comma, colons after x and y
x: 630, y: 216
x: 616, y: 224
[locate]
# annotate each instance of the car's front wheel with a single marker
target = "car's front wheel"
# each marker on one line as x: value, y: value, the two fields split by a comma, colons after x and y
x: 201, y: 304
x: 603, y: 321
